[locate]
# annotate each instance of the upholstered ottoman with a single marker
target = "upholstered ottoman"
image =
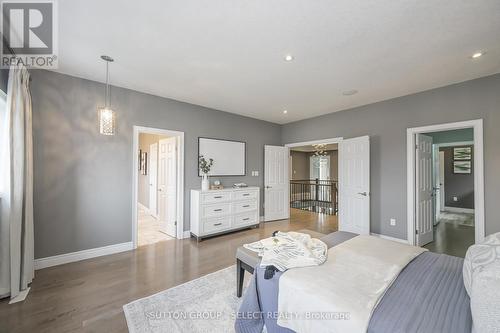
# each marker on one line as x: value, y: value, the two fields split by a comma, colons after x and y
x: 247, y: 260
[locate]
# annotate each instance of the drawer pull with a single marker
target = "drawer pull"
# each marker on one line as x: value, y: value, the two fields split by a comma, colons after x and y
x: 246, y: 219
x: 218, y: 210
x: 246, y: 206
x: 217, y: 224
x: 246, y: 194
x: 218, y: 197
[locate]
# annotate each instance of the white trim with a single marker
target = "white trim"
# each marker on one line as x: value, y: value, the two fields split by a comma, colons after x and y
x: 262, y: 218
x: 82, y: 255
x: 394, y: 239
x: 453, y: 144
x: 186, y: 234
x: 477, y: 125
x: 309, y: 143
x: 458, y: 210
x: 21, y: 296
x: 180, y: 176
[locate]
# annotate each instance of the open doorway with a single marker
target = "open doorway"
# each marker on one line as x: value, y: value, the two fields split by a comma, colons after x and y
x: 158, y: 191
x: 314, y: 178
x: 446, y: 196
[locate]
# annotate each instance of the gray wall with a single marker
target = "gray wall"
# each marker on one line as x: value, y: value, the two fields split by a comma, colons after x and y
x: 460, y: 185
x: 386, y: 123
x: 83, y: 180
x: 466, y: 134
x: 300, y: 165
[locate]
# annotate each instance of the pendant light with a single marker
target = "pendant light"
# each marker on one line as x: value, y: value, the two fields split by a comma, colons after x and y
x: 106, y: 114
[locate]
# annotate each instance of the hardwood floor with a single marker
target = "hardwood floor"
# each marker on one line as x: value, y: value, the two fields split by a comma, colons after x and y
x: 88, y: 296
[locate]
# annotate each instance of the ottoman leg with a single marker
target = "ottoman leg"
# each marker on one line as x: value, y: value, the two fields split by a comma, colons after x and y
x: 240, y: 274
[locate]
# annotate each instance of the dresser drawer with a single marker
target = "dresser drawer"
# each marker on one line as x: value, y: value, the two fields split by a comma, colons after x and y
x: 241, y: 220
x: 244, y: 206
x: 207, y: 198
x: 216, y: 224
x: 215, y: 210
x: 245, y: 195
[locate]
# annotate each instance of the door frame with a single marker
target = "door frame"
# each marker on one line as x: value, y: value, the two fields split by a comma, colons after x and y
x: 477, y: 126
x: 336, y: 140
x: 180, y: 177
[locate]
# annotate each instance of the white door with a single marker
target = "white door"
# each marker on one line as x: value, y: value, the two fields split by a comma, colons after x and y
x: 354, y: 185
x: 441, y: 181
x: 276, y: 198
x: 153, y: 179
x: 424, y: 195
x: 167, y: 185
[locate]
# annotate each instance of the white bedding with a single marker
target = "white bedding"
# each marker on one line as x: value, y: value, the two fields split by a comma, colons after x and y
x: 340, y: 295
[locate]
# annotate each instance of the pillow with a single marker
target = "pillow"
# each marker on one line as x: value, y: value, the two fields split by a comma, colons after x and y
x: 480, y: 256
x: 482, y: 281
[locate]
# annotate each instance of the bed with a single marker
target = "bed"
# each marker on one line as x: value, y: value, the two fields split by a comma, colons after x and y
x: 427, y: 296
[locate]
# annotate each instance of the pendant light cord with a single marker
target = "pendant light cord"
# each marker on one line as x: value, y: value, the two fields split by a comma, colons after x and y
x: 107, y: 84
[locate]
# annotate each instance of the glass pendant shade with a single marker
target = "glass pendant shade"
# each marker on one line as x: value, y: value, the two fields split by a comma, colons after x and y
x: 106, y: 115
x: 106, y: 121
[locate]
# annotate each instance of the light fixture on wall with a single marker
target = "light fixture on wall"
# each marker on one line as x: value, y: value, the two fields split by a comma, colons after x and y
x: 106, y: 114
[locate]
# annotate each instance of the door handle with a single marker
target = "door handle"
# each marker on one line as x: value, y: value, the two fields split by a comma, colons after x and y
x: 363, y: 193
x: 269, y: 187
x: 218, y: 210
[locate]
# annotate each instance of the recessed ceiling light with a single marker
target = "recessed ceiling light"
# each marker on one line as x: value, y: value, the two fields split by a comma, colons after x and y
x: 288, y: 57
x: 477, y: 54
x: 285, y: 111
x: 350, y: 92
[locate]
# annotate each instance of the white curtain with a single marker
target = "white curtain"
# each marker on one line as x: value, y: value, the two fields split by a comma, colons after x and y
x: 16, y: 186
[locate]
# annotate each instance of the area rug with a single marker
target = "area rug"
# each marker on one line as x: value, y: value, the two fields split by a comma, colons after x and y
x: 207, y: 304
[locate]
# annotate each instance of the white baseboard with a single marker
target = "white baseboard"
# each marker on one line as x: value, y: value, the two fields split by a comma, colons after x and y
x: 82, y: 255
x: 458, y: 210
x: 399, y: 240
x: 186, y: 234
x: 261, y: 219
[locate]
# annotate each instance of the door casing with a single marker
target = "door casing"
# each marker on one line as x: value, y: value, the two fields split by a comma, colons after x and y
x: 477, y: 126
x: 180, y: 177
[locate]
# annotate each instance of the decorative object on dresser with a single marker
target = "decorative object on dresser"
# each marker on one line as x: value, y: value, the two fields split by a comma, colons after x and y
x: 205, y: 167
x: 217, y: 185
x: 222, y: 211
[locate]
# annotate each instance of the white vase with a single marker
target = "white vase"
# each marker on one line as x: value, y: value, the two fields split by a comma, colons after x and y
x: 205, y: 183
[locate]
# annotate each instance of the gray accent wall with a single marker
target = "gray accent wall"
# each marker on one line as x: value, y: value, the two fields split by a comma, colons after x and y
x: 83, y: 180
x: 386, y: 123
x: 459, y: 185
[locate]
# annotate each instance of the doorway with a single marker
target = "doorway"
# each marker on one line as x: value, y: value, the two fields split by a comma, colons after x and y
x: 314, y: 178
x: 158, y: 185
x: 350, y: 192
x: 445, y: 187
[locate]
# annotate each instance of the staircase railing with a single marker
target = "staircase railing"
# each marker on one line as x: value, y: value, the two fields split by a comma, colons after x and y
x: 314, y: 195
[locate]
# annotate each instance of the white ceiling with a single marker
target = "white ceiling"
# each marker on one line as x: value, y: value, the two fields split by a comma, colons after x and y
x: 228, y: 54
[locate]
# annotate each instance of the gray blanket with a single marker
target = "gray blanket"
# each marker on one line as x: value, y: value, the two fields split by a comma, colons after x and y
x: 427, y: 296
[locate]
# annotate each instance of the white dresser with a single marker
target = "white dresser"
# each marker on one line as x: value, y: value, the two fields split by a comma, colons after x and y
x: 219, y: 211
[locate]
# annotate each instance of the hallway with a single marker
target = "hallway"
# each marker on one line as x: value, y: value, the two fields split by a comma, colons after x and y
x: 453, y: 234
